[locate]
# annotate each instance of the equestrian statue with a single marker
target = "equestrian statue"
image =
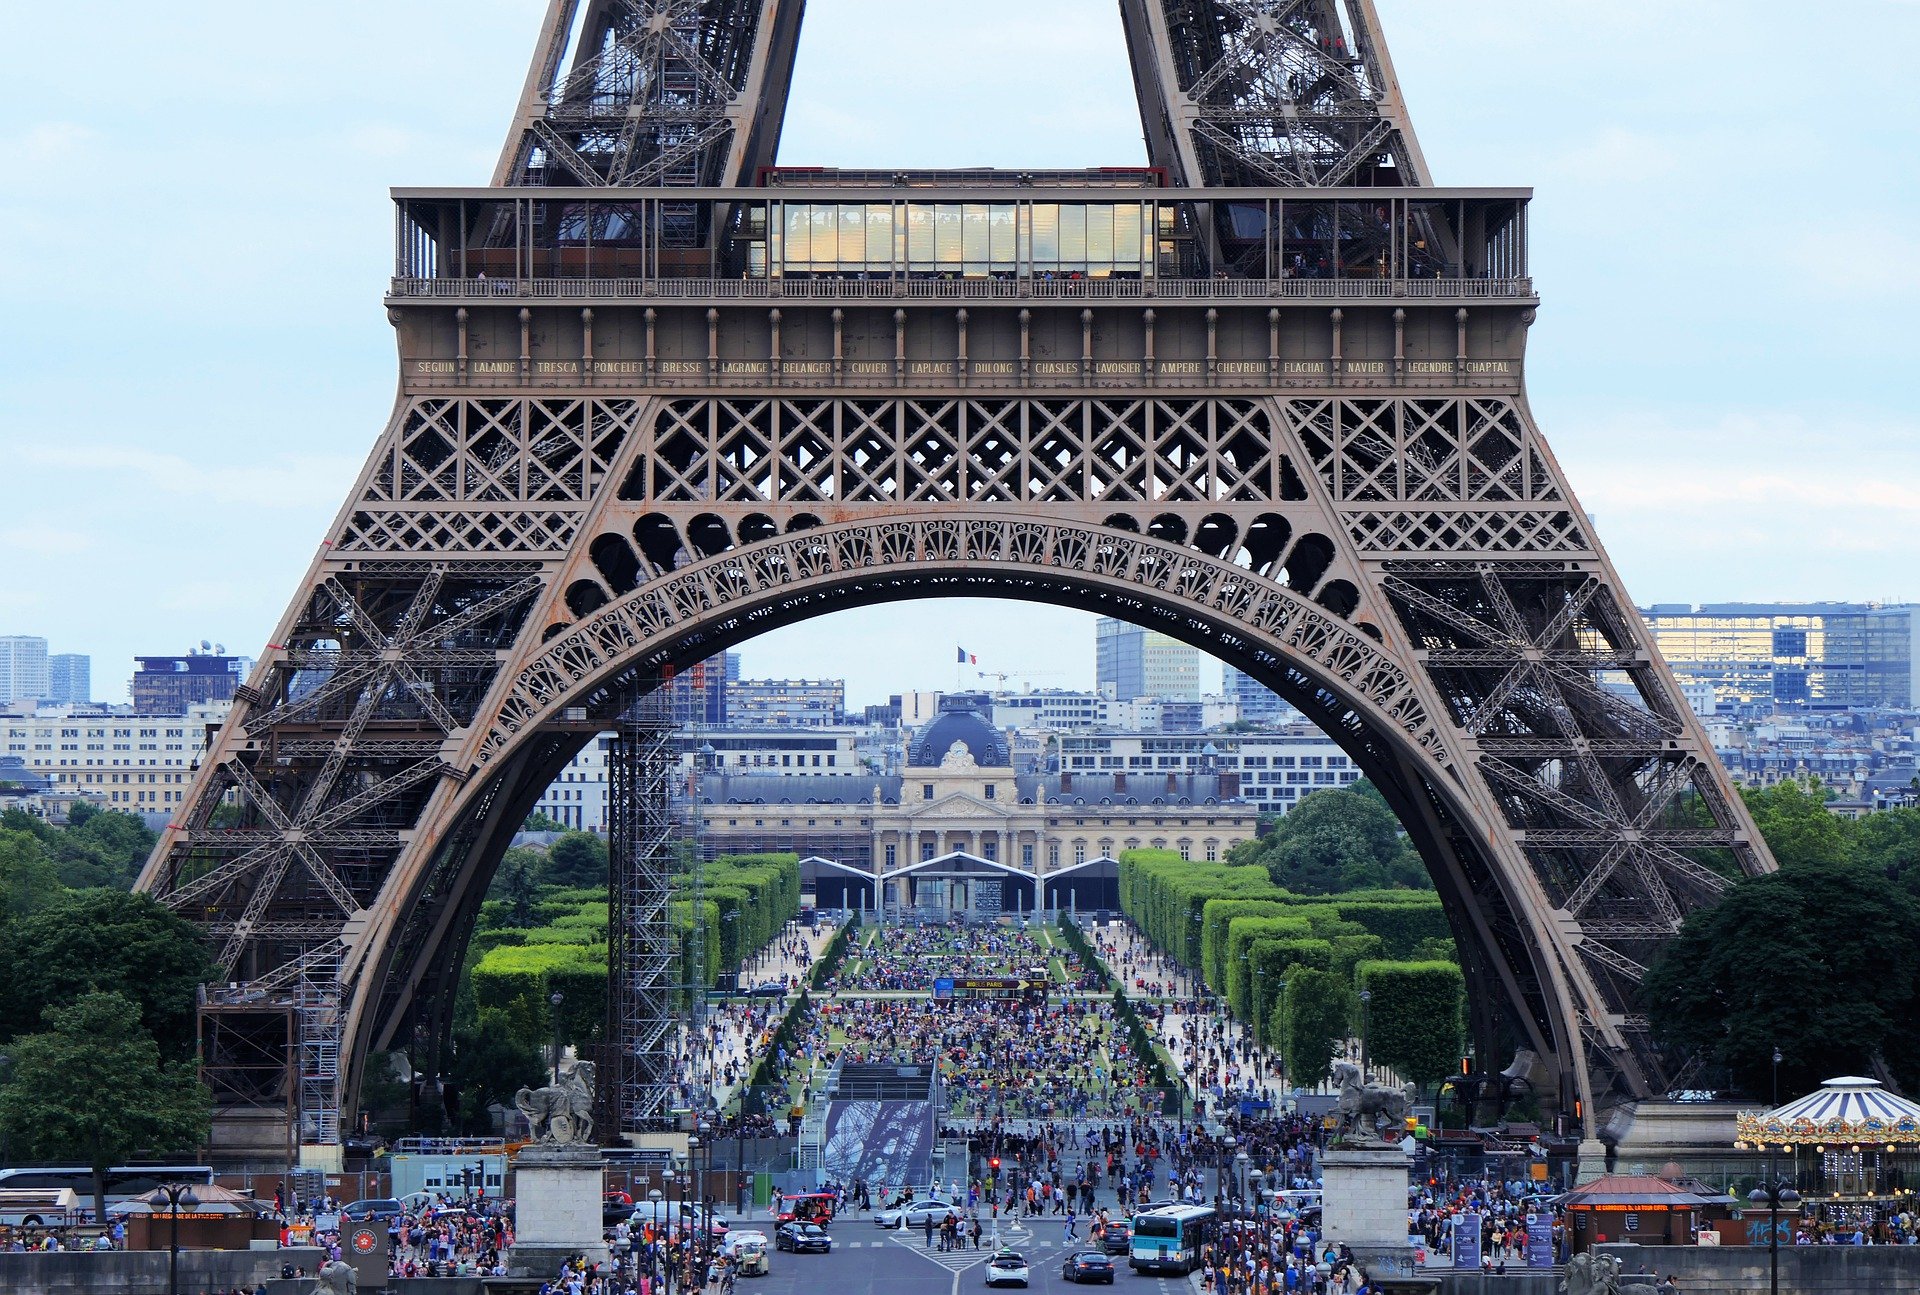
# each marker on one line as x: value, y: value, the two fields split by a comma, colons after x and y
x: 1364, y: 1107
x: 561, y: 1113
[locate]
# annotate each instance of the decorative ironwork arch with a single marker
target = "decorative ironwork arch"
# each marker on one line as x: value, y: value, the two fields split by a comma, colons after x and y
x: 1330, y: 669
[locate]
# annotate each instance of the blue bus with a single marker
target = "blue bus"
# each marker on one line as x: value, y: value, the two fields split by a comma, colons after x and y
x: 1168, y: 1239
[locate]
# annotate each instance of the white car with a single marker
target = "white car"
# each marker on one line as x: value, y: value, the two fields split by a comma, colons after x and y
x: 914, y: 1214
x: 1007, y: 1268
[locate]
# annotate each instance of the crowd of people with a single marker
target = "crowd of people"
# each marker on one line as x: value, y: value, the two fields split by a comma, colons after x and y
x: 716, y: 1058
x: 896, y: 958
x: 1144, y: 970
x: 997, y: 1058
x: 1057, y: 1106
x: 465, y: 1240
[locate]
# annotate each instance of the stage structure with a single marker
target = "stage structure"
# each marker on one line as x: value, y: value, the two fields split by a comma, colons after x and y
x: 659, y: 395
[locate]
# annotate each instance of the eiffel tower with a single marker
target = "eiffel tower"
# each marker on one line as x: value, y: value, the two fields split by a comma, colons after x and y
x: 659, y: 395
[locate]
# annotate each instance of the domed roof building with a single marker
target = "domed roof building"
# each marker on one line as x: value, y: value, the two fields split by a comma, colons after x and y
x: 960, y: 830
x: 960, y: 723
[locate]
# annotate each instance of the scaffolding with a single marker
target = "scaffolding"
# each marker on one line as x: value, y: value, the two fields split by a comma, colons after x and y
x: 643, y: 951
x: 317, y: 1011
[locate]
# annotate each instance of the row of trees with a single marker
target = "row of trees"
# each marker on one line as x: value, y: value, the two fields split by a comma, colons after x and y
x: 545, y: 929
x: 96, y: 847
x: 1292, y: 965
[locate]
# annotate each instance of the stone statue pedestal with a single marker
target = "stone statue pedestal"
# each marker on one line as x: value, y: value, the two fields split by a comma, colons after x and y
x: 1364, y: 1207
x: 557, y: 1193
x: 1593, y: 1161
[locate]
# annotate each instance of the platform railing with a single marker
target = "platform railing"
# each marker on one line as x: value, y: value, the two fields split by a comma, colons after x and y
x: 910, y: 289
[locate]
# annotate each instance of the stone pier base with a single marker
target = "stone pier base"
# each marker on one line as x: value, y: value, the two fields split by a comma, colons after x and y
x: 557, y: 1193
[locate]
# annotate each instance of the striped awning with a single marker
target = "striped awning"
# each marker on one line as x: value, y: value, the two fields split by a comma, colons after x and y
x: 1851, y: 1110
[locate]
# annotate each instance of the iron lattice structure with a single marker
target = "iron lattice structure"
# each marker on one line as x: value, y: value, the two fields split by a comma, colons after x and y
x: 1267, y: 397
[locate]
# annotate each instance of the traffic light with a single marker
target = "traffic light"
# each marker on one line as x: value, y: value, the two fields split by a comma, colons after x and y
x: 994, y: 1164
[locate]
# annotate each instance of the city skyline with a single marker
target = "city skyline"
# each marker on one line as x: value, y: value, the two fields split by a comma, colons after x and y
x: 186, y: 491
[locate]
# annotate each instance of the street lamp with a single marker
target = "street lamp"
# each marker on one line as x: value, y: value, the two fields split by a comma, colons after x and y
x: 1780, y: 1197
x: 174, y: 1197
x: 1220, y: 1180
x: 1366, y: 996
x: 696, y: 1193
x: 1775, y: 1194
x: 706, y: 1188
x: 1253, y: 986
x: 555, y: 999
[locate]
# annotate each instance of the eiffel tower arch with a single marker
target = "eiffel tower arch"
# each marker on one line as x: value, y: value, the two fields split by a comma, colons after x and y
x: 658, y: 396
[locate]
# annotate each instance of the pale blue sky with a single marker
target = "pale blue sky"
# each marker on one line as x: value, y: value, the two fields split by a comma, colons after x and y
x: 193, y: 358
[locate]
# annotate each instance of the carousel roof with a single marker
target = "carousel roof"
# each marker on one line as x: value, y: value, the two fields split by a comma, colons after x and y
x: 1851, y: 1108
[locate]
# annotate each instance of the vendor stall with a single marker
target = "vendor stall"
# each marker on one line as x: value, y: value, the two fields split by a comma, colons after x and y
x: 1632, y: 1207
x: 207, y: 1218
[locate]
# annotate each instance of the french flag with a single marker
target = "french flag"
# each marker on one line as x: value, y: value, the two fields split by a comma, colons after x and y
x: 967, y: 658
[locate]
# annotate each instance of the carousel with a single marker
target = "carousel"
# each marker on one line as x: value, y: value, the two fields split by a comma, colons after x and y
x: 1850, y: 1151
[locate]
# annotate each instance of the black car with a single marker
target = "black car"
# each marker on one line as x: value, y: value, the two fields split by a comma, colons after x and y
x: 1087, y: 1266
x: 803, y: 1238
x: 1117, y: 1239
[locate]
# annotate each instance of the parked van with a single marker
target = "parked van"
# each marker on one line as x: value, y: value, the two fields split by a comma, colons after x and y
x: 678, y: 1215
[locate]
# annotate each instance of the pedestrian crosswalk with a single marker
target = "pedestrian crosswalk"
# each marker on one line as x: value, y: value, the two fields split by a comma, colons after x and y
x: 1046, y: 1245
x: 954, y: 1261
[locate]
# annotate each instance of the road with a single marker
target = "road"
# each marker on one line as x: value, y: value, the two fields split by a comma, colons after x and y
x: 869, y: 1260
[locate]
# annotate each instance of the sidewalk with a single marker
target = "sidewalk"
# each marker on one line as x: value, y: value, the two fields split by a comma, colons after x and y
x: 734, y: 1044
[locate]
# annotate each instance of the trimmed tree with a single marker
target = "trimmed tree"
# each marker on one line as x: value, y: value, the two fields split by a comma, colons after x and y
x: 1316, y: 1020
x: 1414, y: 1017
x: 576, y: 859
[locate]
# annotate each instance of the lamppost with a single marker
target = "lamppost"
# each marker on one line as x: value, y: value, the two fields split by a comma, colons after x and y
x: 696, y: 1193
x: 1253, y: 984
x: 1366, y: 996
x: 1775, y: 1194
x: 1221, y: 1182
x: 174, y: 1197
x: 706, y: 1192
x: 660, y: 1208
x: 1774, y: 1197
x: 554, y: 1000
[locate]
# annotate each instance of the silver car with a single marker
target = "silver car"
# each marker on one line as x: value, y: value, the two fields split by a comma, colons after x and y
x: 915, y: 1214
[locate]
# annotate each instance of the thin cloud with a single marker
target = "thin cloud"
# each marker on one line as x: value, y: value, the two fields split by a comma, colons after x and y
x: 283, y: 483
